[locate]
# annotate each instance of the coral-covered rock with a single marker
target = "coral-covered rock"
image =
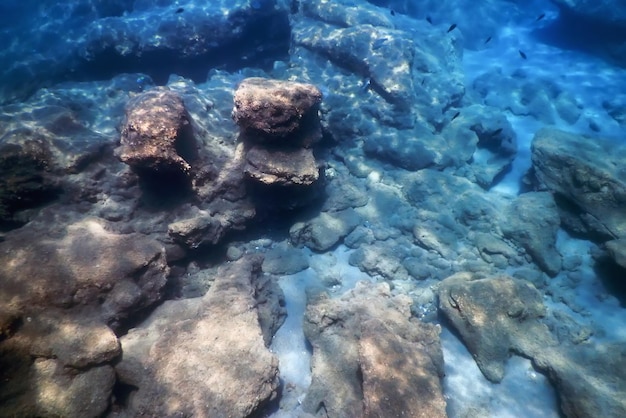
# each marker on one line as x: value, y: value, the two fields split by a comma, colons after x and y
x: 157, y: 135
x: 278, y: 111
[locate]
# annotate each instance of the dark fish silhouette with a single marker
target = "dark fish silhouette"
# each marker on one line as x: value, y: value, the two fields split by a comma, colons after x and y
x: 393, y: 12
x: 452, y: 27
x: 496, y: 132
x: 541, y: 16
x: 456, y: 115
x: 521, y: 54
x: 429, y: 20
x: 487, y: 40
x: 179, y: 10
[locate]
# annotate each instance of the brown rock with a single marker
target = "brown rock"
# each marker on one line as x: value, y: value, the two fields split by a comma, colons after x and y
x: 157, y: 130
x: 85, y: 264
x: 369, y: 359
x: 495, y: 317
x: 275, y: 110
x: 294, y: 167
x: 205, y: 356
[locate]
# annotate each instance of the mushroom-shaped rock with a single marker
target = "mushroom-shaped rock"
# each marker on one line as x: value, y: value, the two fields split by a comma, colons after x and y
x: 278, y: 111
x: 157, y: 134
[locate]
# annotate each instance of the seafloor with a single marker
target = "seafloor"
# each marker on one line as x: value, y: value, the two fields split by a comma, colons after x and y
x: 313, y: 208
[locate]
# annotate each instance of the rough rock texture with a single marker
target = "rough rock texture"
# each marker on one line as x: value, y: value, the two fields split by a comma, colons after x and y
x: 369, y: 359
x: 526, y: 94
x: 499, y: 316
x: 496, y: 144
x: 278, y: 111
x: 25, y: 182
x: 325, y: 230
x: 495, y: 317
x: 590, y: 380
x: 156, y: 131
x: 279, y: 123
x: 85, y: 264
x: 204, y: 356
x: 587, y: 174
x: 393, y: 116
x: 57, y: 365
x: 532, y: 221
x: 291, y: 167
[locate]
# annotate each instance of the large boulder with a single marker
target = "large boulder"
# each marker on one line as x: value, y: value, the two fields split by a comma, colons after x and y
x: 495, y: 317
x: 87, y: 265
x: 157, y: 130
x: 279, y: 122
x: 500, y: 316
x: 203, y: 356
x: 63, y: 362
x: 123, y: 36
x: 369, y: 359
x: 586, y: 175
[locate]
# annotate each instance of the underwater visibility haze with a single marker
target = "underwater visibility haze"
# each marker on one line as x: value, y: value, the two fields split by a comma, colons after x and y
x: 313, y: 208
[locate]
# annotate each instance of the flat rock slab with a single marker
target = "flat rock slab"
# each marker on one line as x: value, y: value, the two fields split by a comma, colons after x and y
x: 203, y: 357
x: 289, y: 167
x: 369, y: 359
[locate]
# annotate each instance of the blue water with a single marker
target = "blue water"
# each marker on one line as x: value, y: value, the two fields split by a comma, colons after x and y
x: 532, y: 62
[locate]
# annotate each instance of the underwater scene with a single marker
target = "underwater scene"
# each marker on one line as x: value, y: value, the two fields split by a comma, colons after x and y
x: 313, y: 208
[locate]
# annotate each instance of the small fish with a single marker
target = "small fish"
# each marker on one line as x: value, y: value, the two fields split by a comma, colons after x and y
x: 393, y: 12
x: 487, y: 40
x: 379, y: 42
x: 541, y: 16
x: 179, y: 10
x: 456, y: 115
x: 366, y: 84
x: 496, y: 132
x: 429, y: 20
x: 423, y: 81
x: 521, y: 54
x: 452, y: 27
